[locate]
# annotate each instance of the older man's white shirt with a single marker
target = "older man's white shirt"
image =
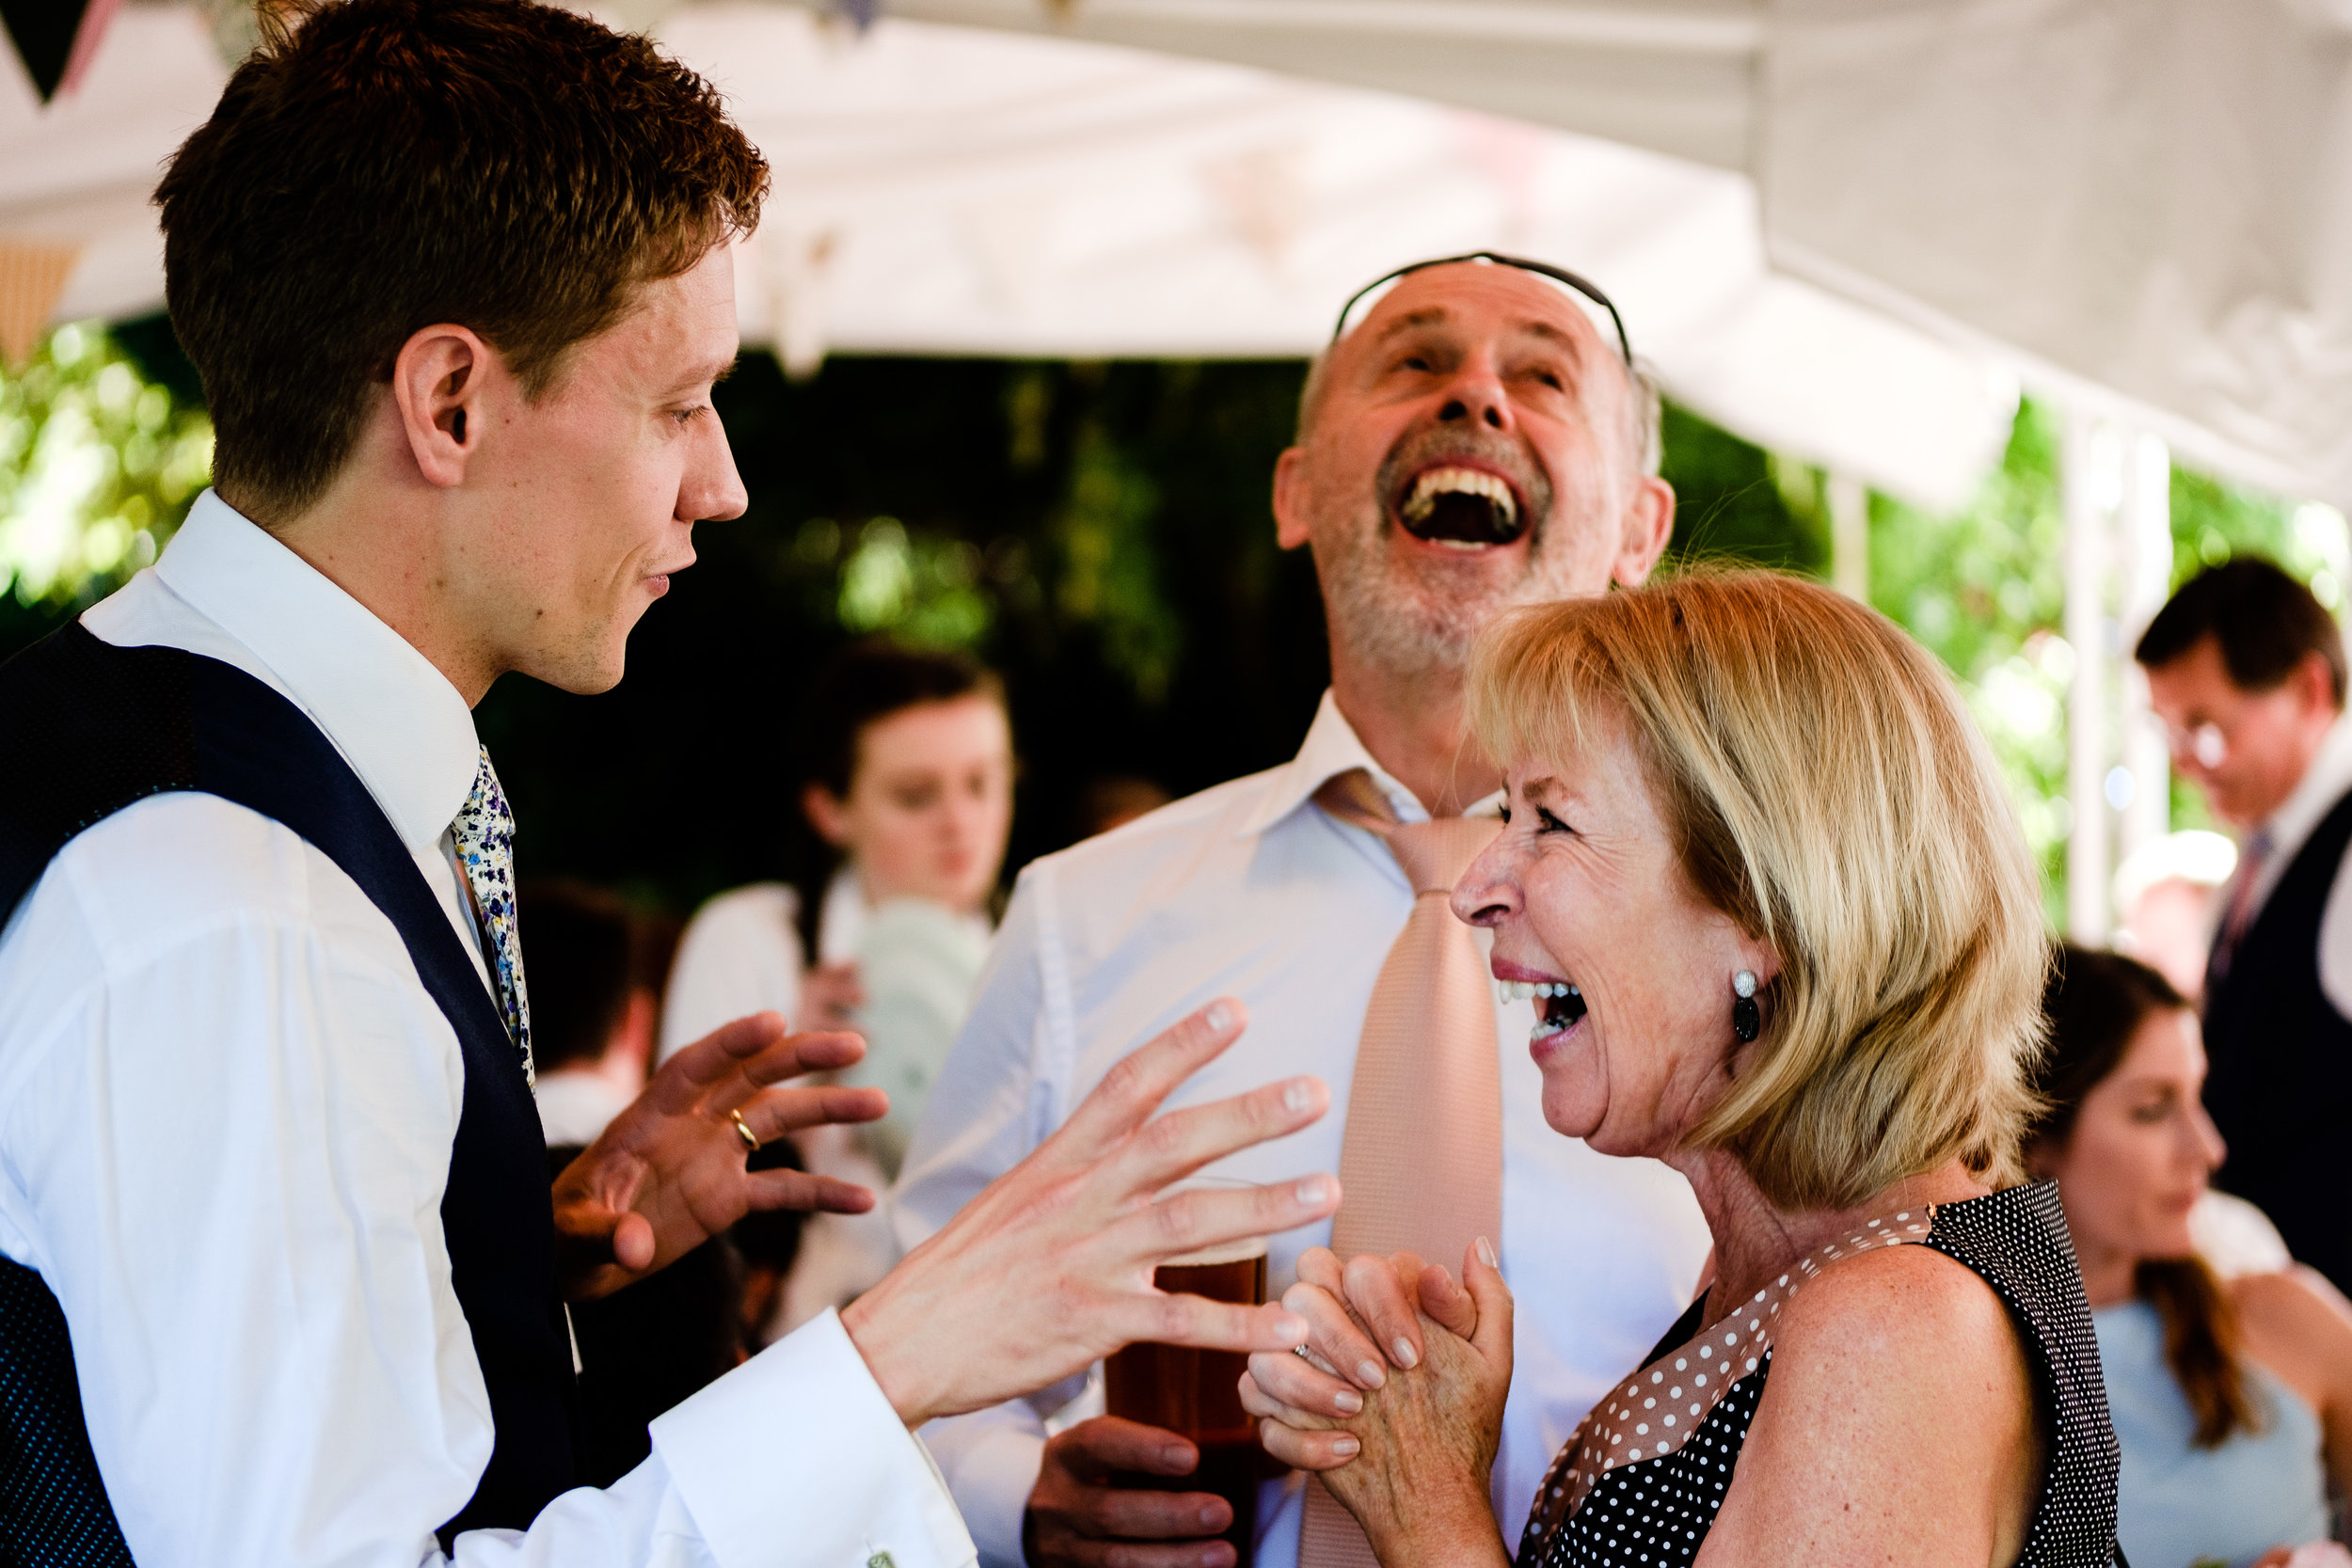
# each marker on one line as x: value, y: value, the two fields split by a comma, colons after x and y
x: 227, y: 1107
x: 1250, y: 889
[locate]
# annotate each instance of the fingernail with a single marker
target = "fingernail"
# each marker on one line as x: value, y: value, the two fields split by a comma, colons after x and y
x: 1349, y: 1401
x: 1313, y: 1190
x: 1219, y: 1017
x: 1486, y: 1253
x: 1405, y: 1356
x: 1346, y: 1448
x: 1370, y: 1374
x: 1174, y: 1458
x: 1208, y: 1520
x: 1297, y: 1094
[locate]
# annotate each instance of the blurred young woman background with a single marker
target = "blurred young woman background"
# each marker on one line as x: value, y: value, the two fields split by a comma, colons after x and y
x: 2231, y: 1397
x: 909, y: 795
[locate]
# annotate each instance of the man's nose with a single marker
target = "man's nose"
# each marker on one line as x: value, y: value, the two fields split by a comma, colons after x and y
x: 712, y: 490
x: 1476, y: 397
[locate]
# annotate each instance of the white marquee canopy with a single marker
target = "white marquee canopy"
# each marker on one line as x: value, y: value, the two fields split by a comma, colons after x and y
x: 2142, y: 204
x: 1842, y: 228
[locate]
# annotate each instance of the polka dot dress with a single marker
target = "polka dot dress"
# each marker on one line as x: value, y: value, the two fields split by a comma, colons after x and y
x: 1640, y: 1484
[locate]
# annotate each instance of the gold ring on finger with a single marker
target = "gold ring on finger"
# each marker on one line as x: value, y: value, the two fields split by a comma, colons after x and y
x: 751, y: 1139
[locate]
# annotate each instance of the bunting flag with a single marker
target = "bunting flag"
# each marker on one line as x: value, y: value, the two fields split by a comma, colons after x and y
x: 32, y: 277
x: 56, y: 38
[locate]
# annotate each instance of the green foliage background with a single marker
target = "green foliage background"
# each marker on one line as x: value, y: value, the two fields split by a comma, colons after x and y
x: 1098, y: 531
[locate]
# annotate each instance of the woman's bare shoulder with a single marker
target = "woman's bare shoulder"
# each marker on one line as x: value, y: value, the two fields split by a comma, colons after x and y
x: 1894, y: 1373
x: 2296, y: 1323
x: 1892, y: 1301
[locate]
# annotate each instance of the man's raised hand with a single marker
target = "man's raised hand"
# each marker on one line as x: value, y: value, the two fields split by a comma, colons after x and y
x: 1050, y: 1267
x: 668, y: 1174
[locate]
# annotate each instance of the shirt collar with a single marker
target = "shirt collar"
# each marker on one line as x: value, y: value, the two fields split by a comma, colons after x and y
x: 395, y: 718
x: 2324, y: 783
x: 1331, y: 747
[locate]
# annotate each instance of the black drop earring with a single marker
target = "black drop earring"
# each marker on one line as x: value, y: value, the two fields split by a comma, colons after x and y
x: 1746, y: 1021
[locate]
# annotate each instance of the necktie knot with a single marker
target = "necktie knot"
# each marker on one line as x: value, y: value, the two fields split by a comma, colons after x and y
x: 1433, y: 854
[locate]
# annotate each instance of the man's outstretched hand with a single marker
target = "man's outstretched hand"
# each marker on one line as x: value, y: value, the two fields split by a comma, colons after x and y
x: 1050, y: 1266
x: 668, y: 1174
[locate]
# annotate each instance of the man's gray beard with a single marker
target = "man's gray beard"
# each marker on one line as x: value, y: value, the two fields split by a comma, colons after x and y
x: 1397, y: 630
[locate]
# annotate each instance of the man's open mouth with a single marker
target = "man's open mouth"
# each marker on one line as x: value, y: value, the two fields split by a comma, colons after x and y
x: 1461, y: 507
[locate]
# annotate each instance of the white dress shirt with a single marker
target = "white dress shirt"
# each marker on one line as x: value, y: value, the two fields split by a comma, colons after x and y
x: 740, y: 955
x: 227, y: 1108
x: 2326, y: 781
x: 577, y: 1104
x: 1250, y: 889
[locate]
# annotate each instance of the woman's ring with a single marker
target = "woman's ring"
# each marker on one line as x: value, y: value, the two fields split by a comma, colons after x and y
x: 751, y: 1140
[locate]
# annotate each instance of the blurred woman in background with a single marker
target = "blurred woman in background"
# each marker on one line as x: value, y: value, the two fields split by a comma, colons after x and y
x: 2233, y: 1399
x: 909, y: 786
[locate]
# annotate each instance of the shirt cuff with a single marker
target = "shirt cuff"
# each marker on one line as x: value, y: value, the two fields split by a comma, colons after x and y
x: 997, y: 1462
x: 796, y: 1458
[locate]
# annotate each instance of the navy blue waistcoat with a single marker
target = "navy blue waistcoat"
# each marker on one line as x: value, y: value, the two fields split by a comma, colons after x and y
x: 87, y: 729
x: 2280, y: 1082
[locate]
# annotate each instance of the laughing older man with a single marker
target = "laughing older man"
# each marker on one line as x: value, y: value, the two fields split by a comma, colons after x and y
x: 1474, y: 441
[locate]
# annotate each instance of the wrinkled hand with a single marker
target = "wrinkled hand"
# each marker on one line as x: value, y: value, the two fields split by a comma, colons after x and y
x: 1076, y: 1519
x: 1408, y: 1446
x: 831, y: 994
x: 668, y: 1173
x: 1050, y: 1267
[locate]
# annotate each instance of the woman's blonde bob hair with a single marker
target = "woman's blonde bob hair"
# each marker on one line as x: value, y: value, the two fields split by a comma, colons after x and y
x: 1833, y: 798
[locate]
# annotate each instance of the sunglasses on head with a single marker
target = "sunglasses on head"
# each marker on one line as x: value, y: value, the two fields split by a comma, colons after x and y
x: 1542, y: 269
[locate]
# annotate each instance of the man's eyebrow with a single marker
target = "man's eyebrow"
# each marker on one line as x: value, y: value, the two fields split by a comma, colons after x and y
x: 1412, y: 320
x: 1566, y: 341
x: 708, y: 375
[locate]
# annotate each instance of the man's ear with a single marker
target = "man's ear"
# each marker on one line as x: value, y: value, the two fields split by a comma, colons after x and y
x: 826, y: 815
x: 1649, y: 524
x: 2316, y: 685
x: 1290, y: 497
x: 438, y: 382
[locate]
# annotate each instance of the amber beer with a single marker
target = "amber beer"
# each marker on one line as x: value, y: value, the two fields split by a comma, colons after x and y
x: 1197, y: 1392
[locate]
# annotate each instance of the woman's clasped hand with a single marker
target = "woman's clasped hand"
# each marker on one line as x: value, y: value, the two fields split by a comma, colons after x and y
x: 1428, y: 1364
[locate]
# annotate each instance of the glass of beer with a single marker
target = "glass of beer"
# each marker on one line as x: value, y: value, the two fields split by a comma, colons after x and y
x: 1196, y: 1393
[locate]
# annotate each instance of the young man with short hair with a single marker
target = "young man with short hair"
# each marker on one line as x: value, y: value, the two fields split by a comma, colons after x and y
x: 2247, y: 671
x: 279, y: 1269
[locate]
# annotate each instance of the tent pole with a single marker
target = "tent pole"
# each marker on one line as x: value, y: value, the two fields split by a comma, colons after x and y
x: 2087, y: 892
x: 2148, y: 566
x: 1850, y: 537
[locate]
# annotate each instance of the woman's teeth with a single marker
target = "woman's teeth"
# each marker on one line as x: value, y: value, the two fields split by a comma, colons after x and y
x: 1558, y: 1004
x: 1522, y: 991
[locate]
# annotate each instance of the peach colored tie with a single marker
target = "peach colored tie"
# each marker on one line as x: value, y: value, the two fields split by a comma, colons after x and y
x: 1421, y: 1164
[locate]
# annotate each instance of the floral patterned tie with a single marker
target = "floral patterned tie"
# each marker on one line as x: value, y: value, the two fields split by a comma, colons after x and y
x: 485, y: 834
